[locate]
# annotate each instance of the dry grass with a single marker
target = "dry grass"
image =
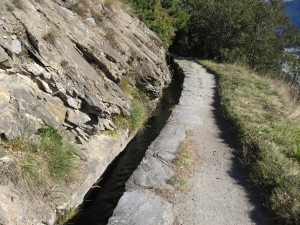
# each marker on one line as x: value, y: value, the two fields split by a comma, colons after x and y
x: 17, y: 3
x: 50, y: 34
x: 94, y: 8
x: 167, y: 194
x: 185, y: 158
x: 184, y: 164
x: 82, y: 7
x: 64, y: 216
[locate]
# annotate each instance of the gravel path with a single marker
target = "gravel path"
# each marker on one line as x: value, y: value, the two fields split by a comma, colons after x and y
x: 218, y: 192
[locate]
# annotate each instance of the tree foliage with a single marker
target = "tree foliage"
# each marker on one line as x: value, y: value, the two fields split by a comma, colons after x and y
x: 163, y: 17
x: 252, y: 32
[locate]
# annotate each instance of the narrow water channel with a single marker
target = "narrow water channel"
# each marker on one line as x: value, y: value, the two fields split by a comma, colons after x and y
x: 99, y: 203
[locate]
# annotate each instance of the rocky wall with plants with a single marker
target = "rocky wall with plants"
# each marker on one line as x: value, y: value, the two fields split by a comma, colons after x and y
x: 85, y: 71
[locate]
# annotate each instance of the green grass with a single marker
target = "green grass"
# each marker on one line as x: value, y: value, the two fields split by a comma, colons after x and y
x: 139, y: 110
x: 179, y: 183
x: 261, y: 110
x: 138, y: 115
x: 59, y: 155
x: 47, y: 159
x: 126, y: 86
x: 9, y: 7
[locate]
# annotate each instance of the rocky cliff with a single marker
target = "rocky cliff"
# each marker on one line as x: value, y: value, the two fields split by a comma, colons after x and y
x: 61, y: 63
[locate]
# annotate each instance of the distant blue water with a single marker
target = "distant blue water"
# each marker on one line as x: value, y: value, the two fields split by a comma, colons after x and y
x: 293, y: 10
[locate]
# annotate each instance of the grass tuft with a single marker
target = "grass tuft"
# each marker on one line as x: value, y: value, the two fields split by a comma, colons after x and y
x: 179, y: 183
x: 50, y: 34
x: 185, y: 158
x: 42, y: 161
x: 139, y: 111
x: 9, y: 7
x: 138, y: 115
x: 126, y: 86
x: 262, y: 113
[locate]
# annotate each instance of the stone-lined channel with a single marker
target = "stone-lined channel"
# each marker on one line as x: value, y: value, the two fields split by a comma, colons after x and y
x: 100, y: 202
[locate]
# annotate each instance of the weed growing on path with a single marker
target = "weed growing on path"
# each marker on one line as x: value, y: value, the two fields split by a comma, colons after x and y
x: 179, y: 183
x: 262, y: 113
x: 184, y: 164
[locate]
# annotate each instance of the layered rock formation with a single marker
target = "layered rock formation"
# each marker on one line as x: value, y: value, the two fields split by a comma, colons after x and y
x: 60, y: 65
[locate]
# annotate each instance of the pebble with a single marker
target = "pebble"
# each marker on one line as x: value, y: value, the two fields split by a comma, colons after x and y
x: 5, y: 37
x: 1, y: 22
x: 91, y: 20
x: 14, y: 37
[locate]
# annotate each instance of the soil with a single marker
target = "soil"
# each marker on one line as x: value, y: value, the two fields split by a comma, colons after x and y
x: 218, y: 189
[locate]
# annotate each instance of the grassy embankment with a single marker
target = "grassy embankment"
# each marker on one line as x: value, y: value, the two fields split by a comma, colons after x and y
x: 266, y: 121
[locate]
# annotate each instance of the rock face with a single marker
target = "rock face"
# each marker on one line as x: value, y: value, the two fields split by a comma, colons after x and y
x: 60, y: 65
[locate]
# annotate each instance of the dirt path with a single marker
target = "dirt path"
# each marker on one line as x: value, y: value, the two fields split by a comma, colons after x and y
x: 218, y: 192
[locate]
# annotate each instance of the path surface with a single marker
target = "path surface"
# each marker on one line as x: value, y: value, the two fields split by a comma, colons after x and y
x: 218, y: 194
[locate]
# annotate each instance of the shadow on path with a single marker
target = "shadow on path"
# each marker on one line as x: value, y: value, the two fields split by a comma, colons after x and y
x: 237, y: 171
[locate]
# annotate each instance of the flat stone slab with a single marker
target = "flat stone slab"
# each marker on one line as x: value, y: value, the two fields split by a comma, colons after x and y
x: 142, y: 207
x: 155, y: 169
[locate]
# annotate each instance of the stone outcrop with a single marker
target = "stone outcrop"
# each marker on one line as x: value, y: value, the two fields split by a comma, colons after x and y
x: 60, y: 65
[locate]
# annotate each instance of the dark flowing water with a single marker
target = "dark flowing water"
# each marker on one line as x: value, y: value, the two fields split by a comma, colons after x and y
x: 99, y: 203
